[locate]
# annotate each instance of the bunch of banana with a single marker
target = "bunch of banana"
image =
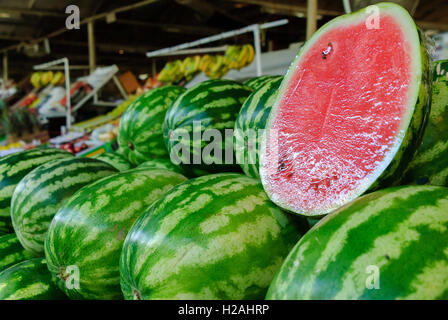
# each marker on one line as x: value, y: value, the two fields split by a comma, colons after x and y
x: 190, y: 67
x: 232, y: 54
x: 245, y: 57
x: 46, y: 78
x: 35, y: 79
x: 58, y: 79
x: 172, y: 72
x: 218, y: 67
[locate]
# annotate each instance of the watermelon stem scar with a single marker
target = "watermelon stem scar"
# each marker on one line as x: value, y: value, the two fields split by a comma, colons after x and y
x: 131, y: 145
x: 338, y: 130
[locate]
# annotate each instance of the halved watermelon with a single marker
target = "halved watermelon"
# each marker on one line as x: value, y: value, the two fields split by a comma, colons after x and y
x: 350, y: 112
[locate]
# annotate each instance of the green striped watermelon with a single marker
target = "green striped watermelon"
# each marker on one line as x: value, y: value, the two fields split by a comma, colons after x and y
x: 12, y: 169
x: 212, y: 107
x: 11, y: 251
x: 390, y: 244
x: 349, y: 114
x: 160, y: 164
x: 430, y: 164
x: 116, y: 160
x: 213, y: 237
x: 29, y: 280
x: 43, y: 191
x: 258, y: 82
x: 140, y: 134
x: 250, y: 123
x: 89, y: 230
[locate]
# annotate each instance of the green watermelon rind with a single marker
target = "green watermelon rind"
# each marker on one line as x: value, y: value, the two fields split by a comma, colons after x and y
x: 43, y: 191
x: 13, y: 168
x: 116, y: 160
x: 394, y: 238
x: 160, y: 164
x: 140, y: 132
x: 89, y: 230
x: 11, y: 251
x: 212, y: 237
x: 430, y: 163
x: 392, y: 167
x: 258, y: 82
x: 213, y: 103
x: 29, y: 280
x: 251, y: 120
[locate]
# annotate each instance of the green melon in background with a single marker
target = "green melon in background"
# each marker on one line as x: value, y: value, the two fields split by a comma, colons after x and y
x: 29, y: 280
x: 89, y: 230
x: 115, y: 159
x: 41, y: 193
x: 140, y: 134
x: 430, y: 164
x: 390, y: 244
x: 213, y: 237
x: 160, y: 164
x: 11, y: 251
x: 251, y: 121
x: 258, y: 82
x: 12, y: 169
x: 209, y: 105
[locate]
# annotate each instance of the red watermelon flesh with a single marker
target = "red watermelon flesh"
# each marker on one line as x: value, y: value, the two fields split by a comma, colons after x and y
x: 342, y: 112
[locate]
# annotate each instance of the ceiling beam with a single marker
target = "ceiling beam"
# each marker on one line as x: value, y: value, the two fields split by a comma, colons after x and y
x: 287, y: 7
x: 32, y: 12
x: 293, y: 9
x: 85, y: 21
x: 108, y: 47
x: 173, y: 28
x: 14, y: 38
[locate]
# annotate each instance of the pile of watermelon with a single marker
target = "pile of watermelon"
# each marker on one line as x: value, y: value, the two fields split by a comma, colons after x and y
x: 329, y: 182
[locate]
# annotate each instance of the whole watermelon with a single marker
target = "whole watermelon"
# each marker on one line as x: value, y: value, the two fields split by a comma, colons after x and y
x: 250, y: 123
x: 89, y: 230
x: 115, y: 159
x: 140, y: 134
x: 29, y: 280
x: 197, y: 126
x: 12, y: 169
x: 44, y: 190
x: 430, y: 163
x: 212, y: 237
x: 390, y: 244
x: 160, y: 164
x: 11, y: 251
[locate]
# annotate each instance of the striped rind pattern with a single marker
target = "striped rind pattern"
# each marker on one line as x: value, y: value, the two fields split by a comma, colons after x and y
x: 400, y: 233
x: 89, y: 230
x: 11, y: 251
x: 116, y: 160
x: 212, y: 237
x: 252, y: 117
x: 213, y: 103
x: 29, y: 280
x: 430, y: 163
x: 140, y: 134
x: 258, y: 82
x: 43, y: 191
x: 160, y: 164
x: 12, y: 169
